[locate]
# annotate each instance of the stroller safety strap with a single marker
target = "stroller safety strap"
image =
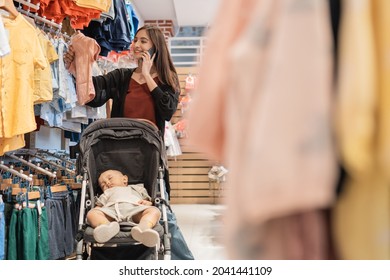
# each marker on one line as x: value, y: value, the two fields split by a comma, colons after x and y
x: 118, y: 213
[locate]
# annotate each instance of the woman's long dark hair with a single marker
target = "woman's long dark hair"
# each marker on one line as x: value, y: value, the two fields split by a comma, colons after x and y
x: 163, y: 62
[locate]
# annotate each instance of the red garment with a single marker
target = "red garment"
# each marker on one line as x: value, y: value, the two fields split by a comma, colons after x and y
x: 139, y: 102
x: 59, y: 9
x: 79, y: 16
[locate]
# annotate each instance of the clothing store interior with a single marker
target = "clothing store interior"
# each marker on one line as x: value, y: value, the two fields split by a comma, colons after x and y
x: 235, y: 171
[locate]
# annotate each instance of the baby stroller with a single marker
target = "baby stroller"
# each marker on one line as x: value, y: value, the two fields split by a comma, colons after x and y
x: 134, y: 147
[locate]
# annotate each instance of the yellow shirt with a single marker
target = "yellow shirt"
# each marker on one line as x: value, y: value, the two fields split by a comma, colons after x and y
x: 356, y: 96
x: 17, y: 78
x: 11, y: 144
x: 101, y: 5
x: 43, y: 88
x: 381, y: 23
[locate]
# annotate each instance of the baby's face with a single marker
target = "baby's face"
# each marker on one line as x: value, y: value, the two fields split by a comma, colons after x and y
x: 111, y: 178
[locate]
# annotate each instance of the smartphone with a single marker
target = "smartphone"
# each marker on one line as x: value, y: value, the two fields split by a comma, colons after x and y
x: 151, y: 51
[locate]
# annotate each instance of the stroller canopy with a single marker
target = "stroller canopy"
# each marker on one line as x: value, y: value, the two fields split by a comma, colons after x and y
x: 132, y: 146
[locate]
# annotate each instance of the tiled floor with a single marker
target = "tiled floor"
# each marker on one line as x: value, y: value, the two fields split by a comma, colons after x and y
x: 202, y: 229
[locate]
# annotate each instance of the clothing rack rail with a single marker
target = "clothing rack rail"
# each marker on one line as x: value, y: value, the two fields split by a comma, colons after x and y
x: 15, y: 172
x: 29, y: 4
x: 34, y: 154
x: 44, y: 20
x: 56, y: 156
x: 32, y: 165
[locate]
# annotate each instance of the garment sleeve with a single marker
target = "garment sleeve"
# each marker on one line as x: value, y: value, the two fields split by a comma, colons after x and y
x: 106, y: 87
x: 166, y: 101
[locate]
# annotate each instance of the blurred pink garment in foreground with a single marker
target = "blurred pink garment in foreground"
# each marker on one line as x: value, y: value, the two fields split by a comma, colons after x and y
x: 265, y: 94
x: 87, y: 51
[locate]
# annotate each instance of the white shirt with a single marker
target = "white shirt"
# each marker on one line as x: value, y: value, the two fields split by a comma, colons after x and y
x: 4, y: 42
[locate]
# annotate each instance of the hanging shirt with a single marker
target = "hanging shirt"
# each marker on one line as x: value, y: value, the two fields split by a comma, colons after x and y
x: 11, y: 144
x: 110, y: 14
x: 362, y: 211
x: 356, y: 97
x: 139, y: 102
x: 17, y: 78
x: 101, y: 5
x: 59, y: 10
x: 87, y: 51
x: 133, y: 19
x: 266, y: 99
x: 381, y: 23
x: 43, y: 91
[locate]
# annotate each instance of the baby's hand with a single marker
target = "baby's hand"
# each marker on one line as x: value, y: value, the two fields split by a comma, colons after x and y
x: 145, y: 202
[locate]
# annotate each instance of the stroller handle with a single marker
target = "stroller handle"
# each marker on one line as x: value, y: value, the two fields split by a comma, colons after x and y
x: 147, y: 121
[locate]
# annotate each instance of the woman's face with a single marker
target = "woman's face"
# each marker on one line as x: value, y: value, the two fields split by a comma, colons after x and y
x: 141, y: 43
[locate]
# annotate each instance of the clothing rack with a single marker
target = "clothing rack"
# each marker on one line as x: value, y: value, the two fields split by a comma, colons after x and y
x: 29, y: 4
x: 30, y: 195
x: 44, y: 20
x: 58, y: 188
x: 15, y: 172
x: 56, y: 156
x: 51, y: 163
x: 30, y: 164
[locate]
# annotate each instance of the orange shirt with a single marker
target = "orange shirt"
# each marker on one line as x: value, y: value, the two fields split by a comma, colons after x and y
x: 80, y: 16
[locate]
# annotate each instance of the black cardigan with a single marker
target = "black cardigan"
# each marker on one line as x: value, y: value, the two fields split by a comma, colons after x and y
x: 115, y: 84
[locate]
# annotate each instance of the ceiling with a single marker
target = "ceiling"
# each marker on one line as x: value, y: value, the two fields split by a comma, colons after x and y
x: 181, y: 12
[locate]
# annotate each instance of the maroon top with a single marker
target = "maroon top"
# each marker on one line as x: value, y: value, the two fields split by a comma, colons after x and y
x: 139, y: 103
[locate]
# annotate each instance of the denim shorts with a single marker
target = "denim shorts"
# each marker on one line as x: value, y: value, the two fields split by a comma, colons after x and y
x: 60, y: 212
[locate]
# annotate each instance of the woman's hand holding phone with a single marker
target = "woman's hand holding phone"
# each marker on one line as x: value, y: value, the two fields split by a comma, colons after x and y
x: 147, y: 61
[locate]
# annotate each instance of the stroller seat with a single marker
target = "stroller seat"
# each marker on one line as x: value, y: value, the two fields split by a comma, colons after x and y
x: 123, y: 237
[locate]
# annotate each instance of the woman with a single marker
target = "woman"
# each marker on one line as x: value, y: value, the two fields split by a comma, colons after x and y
x: 150, y: 91
x: 154, y: 85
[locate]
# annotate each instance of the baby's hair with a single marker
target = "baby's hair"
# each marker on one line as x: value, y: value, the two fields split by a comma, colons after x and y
x: 101, y: 172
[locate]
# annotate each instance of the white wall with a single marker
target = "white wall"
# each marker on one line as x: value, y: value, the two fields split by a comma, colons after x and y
x: 48, y: 138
